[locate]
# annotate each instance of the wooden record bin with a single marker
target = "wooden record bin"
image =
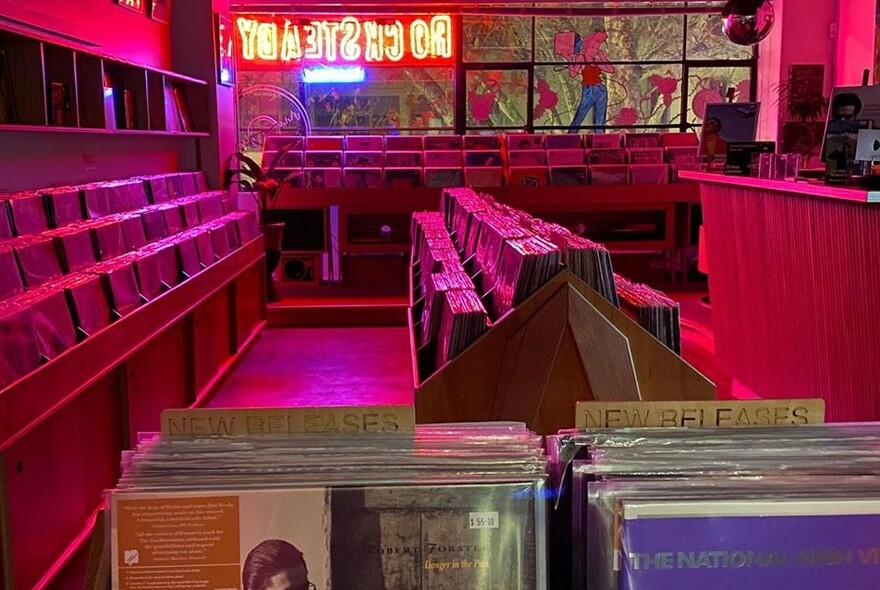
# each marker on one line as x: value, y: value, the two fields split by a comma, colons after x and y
x: 64, y: 427
x: 562, y: 345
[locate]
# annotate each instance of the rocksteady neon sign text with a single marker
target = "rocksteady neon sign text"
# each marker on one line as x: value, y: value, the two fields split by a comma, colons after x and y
x: 266, y: 40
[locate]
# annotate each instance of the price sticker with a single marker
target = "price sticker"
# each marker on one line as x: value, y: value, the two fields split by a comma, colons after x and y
x: 483, y: 520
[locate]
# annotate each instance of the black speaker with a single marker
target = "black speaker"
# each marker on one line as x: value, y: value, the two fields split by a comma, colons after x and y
x: 301, y: 268
x: 305, y: 230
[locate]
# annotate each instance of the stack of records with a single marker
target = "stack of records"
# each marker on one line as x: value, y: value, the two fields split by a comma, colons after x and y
x: 463, y: 319
x: 425, y: 224
x: 526, y: 264
x: 654, y: 311
x: 433, y: 291
x: 587, y: 260
x: 446, y: 506
x: 494, y: 231
x: 764, y: 507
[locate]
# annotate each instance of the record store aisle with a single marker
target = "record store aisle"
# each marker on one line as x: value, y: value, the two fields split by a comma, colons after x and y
x: 309, y: 367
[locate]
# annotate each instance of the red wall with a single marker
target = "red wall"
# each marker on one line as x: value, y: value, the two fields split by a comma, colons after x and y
x: 102, y: 25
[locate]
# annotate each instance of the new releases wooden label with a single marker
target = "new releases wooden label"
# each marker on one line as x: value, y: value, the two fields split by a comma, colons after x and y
x: 277, y: 421
x: 700, y: 414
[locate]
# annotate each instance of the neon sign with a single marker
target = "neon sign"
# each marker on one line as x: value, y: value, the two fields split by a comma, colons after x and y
x: 277, y: 40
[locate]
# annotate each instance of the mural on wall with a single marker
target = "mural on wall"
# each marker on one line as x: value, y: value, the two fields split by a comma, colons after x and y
x: 587, y: 62
x: 267, y: 109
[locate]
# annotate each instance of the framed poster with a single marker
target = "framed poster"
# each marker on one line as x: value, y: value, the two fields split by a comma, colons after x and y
x: 225, y: 55
x: 136, y: 5
x: 160, y: 10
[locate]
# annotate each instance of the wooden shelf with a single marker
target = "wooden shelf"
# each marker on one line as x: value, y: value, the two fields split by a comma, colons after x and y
x: 69, y: 88
x: 96, y: 131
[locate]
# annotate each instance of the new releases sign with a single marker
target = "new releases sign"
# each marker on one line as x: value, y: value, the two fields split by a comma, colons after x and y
x: 277, y: 40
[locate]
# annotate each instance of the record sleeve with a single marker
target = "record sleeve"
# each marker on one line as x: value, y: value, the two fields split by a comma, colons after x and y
x: 64, y: 206
x: 365, y: 538
x: 38, y: 260
x: 290, y: 142
x: 10, y: 277
x: 6, y: 231
x: 404, y: 143
x: 444, y: 177
x: 530, y: 176
x: 324, y: 159
x: 605, y: 140
x: 75, y: 247
x: 609, y: 174
x: 573, y: 157
x: 525, y: 141
x: 363, y: 177
x: 443, y: 159
x: 19, y: 351
x: 403, y: 159
x: 88, y: 303
x: 28, y: 213
x: 324, y: 142
x: 359, y: 159
x: 442, y: 142
x: 482, y: 142
x: 563, y: 141
x: 52, y: 320
x: 484, y: 177
x: 322, y: 177
x: 482, y: 158
x: 526, y: 158
x: 568, y: 175
x: 403, y: 177
x: 364, y: 143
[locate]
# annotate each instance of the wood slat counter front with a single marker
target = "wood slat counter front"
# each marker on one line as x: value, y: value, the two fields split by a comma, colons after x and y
x: 795, y: 290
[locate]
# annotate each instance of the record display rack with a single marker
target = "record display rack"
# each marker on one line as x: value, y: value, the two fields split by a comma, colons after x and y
x: 562, y: 345
x: 64, y: 426
x: 47, y: 85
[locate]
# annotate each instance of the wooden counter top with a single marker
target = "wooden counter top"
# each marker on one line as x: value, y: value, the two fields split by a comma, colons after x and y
x: 811, y: 189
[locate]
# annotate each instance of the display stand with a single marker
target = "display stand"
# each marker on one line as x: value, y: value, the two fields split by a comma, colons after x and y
x: 564, y: 344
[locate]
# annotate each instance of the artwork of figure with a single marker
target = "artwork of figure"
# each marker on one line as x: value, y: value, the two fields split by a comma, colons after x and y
x: 587, y: 60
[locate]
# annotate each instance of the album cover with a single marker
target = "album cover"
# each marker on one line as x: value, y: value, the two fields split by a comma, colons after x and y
x: 404, y: 159
x: 442, y: 159
x: 175, y: 186
x: 482, y: 142
x: 21, y: 355
x: 568, y: 175
x: 404, y: 143
x: 403, y: 177
x: 52, y: 321
x: 525, y: 141
x: 727, y: 122
x: 642, y: 140
x: 444, y: 177
x: 154, y: 223
x: 532, y: 176
x: 566, y: 157
x: 276, y: 143
x: 365, y: 538
x: 605, y: 140
x: 322, y: 177
x: 363, y: 177
x: 740, y: 155
x: 64, y: 206
x: 211, y: 205
x: 526, y: 158
x: 358, y: 159
x: 75, y: 247
x: 88, y: 303
x: 28, y: 213
x: 10, y: 277
x: 442, y: 142
x: 679, y: 139
x: 734, y: 544
x: 109, y: 239
x: 364, y: 143
x: 562, y: 141
x: 323, y: 159
x: 38, y: 260
x: 609, y: 174
x: 645, y: 155
x: 484, y: 177
x: 649, y: 173
x: 605, y: 156
x: 190, y: 212
x: 483, y: 159
x: 325, y: 142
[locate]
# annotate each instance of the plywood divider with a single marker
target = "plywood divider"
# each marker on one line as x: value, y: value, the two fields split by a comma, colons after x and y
x: 564, y: 344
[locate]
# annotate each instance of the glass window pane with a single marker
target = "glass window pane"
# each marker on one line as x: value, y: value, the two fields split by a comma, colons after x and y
x: 630, y: 95
x: 636, y: 38
x: 390, y: 97
x: 707, y: 85
x: 497, y: 98
x: 268, y: 102
x: 493, y: 38
x: 706, y: 40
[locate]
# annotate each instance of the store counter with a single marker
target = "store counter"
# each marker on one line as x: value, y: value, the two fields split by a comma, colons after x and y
x: 794, y: 283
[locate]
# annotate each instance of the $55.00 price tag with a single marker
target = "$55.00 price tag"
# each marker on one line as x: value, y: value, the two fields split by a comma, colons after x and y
x: 483, y: 520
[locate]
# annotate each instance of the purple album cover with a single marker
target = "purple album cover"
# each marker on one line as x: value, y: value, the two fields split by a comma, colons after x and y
x: 732, y: 545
